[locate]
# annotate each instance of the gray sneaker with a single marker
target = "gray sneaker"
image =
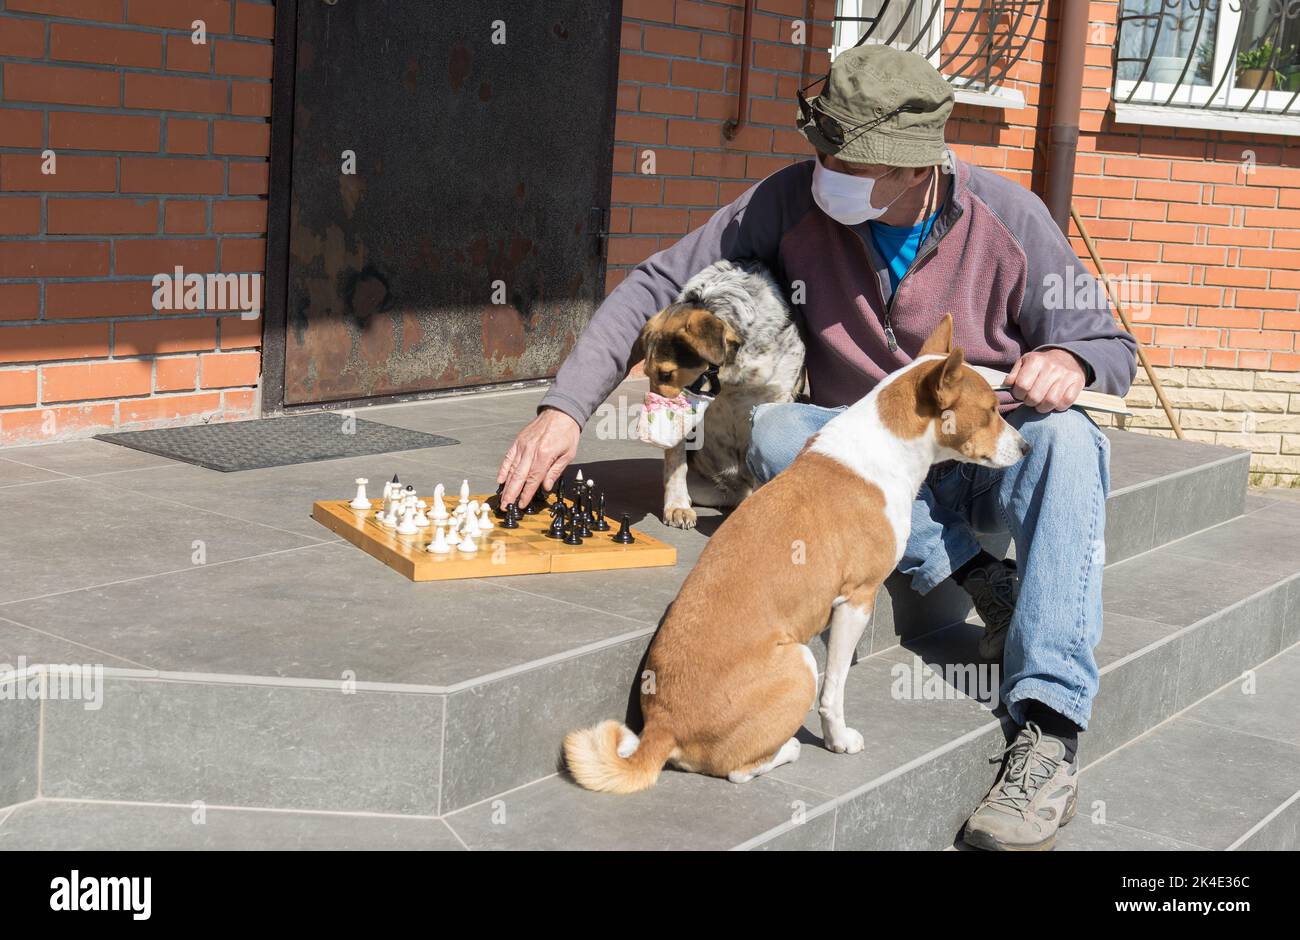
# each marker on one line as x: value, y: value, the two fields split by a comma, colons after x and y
x: 994, y: 590
x: 1035, y: 795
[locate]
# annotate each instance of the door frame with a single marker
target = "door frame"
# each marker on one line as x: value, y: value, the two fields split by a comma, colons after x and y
x: 284, y: 50
x: 280, y: 202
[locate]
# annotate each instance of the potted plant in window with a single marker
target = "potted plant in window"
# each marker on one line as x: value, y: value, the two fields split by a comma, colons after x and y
x: 1289, y: 69
x: 1255, y: 67
x: 1204, y: 74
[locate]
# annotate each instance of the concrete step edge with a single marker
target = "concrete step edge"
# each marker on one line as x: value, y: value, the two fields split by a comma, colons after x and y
x: 995, y: 725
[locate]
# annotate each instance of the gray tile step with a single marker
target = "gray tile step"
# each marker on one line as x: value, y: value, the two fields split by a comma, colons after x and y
x: 1231, y: 772
x: 1252, y: 731
x: 156, y: 740
x: 56, y: 825
x: 291, y: 670
x: 926, y: 763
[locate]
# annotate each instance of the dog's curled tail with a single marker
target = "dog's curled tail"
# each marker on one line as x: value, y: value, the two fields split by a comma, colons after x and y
x: 611, y: 759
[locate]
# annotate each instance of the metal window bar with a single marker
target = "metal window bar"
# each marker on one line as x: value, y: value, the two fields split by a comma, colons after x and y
x: 994, y: 49
x: 1267, y: 52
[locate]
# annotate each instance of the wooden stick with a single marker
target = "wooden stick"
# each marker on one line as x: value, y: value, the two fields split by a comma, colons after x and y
x: 1119, y: 308
x: 1142, y: 356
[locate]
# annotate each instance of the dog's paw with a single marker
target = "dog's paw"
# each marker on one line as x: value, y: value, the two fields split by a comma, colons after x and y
x: 842, y: 740
x: 680, y: 517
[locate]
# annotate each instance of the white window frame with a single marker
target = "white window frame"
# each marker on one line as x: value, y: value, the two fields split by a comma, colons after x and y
x: 1188, y: 106
x: 995, y: 97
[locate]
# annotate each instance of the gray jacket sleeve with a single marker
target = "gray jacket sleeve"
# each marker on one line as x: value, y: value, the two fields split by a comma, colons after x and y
x: 749, y: 228
x: 1064, y: 306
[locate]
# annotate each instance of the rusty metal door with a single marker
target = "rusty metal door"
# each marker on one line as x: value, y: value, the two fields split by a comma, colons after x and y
x: 465, y: 248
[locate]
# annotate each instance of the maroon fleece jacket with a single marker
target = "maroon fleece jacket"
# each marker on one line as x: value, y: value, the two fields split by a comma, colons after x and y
x: 995, y: 260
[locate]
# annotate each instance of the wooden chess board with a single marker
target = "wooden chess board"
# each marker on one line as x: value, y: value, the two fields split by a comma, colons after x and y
x: 525, y: 550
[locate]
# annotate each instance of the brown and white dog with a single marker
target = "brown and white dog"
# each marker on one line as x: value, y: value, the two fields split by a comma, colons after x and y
x: 732, y: 674
x: 732, y: 318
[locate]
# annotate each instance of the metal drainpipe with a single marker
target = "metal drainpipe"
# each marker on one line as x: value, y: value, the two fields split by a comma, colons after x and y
x: 732, y: 128
x: 1071, y: 44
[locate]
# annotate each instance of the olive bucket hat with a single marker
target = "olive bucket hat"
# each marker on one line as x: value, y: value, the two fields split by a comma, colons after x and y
x: 879, y: 105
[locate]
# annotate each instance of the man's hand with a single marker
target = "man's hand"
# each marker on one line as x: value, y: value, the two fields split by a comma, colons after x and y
x: 1047, y: 381
x: 538, y: 456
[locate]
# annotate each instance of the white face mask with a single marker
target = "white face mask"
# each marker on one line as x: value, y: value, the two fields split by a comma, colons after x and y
x: 844, y: 197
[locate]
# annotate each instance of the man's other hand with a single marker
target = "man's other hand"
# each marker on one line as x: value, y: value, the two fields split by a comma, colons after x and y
x: 1047, y: 380
x: 538, y: 456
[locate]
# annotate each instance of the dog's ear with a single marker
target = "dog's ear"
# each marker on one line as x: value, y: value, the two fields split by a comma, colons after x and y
x: 940, y: 341
x: 714, y: 341
x: 943, y: 382
x: 642, y: 344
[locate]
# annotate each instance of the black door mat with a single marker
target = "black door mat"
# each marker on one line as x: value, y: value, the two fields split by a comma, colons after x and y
x: 276, y: 442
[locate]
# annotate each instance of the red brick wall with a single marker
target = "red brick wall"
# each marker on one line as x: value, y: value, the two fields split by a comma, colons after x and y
x: 1221, y: 250
x: 678, y: 76
x: 162, y: 152
x: 679, y: 71
x: 160, y: 149
x: 1221, y: 247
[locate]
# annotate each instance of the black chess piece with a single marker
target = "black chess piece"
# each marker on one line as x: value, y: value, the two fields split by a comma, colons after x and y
x: 536, y: 504
x: 600, y: 525
x: 556, y: 530
x: 571, y: 534
x: 581, y: 525
x: 624, y: 534
x: 509, y: 521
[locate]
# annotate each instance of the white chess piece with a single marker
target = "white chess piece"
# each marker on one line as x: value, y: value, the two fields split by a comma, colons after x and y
x: 389, y: 519
x: 439, y: 544
x: 439, y: 513
x: 393, y: 501
x: 471, y: 525
x: 360, y: 501
x: 421, y: 519
x: 485, y: 522
x: 464, y: 493
x: 388, y: 497
x: 407, y: 526
x: 467, y: 544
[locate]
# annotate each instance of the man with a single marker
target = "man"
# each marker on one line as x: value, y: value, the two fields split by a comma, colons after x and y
x: 880, y: 236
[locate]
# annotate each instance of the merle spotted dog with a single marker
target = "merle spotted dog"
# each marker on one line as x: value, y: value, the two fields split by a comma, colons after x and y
x: 730, y: 326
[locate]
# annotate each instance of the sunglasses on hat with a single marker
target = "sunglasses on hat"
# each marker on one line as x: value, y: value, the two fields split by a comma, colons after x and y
x: 831, y: 128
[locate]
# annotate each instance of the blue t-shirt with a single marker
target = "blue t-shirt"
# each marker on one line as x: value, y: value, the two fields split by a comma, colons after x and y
x: 898, y: 245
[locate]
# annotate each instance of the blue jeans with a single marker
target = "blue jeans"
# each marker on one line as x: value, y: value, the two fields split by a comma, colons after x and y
x: 1053, y: 504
